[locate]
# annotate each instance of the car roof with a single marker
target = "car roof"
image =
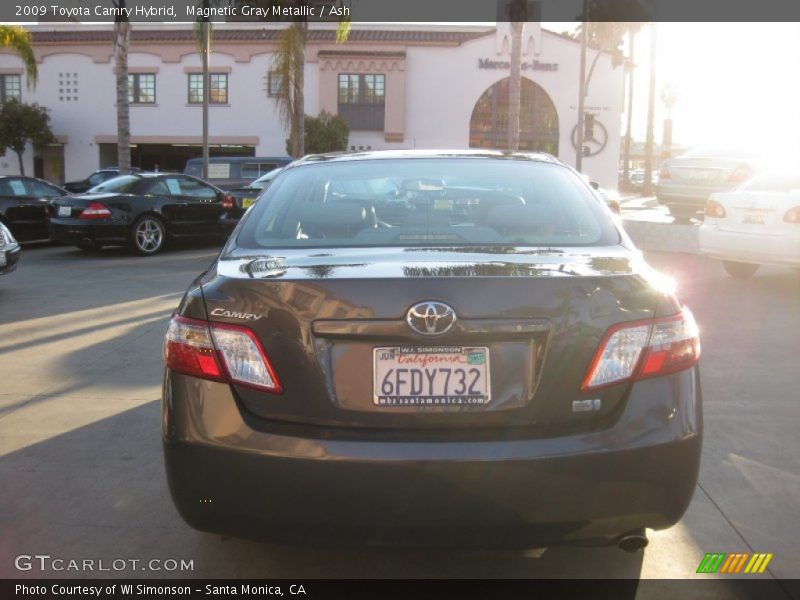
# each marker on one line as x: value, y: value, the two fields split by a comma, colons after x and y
x: 215, y: 159
x: 410, y: 154
x: 28, y: 177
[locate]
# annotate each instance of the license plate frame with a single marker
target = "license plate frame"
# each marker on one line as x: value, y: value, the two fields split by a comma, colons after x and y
x: 437, y: 377
x: 754, y: 217
x: 64, y: 211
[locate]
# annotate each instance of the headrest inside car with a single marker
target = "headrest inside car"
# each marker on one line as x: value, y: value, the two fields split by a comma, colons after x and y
x: 333, y: 219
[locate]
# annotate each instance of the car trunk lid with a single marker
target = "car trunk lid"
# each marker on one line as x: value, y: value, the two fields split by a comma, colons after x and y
x: 756, y: 212
x: 529, y: 320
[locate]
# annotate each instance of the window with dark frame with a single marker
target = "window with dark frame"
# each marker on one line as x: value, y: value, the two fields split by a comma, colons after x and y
x: 142, y: 88
x: 217, y: 90
x: 274, y: 84
x: 362, y: 99
x: 10, y: 87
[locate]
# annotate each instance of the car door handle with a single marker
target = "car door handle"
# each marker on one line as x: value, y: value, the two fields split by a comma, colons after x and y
x: 182, y: 204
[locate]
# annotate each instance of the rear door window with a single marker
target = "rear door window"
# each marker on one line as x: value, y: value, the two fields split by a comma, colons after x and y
x: 12, y: 187
x: 39, y: 189
x: 124, y: 184
x: 773, y: 183
x: 159, y: 188
x: 195, y: 188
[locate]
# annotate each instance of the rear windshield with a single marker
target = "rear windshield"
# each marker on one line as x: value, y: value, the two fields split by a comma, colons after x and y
x: 193, y: 168
x: 774, y: 182
x: 430, y: 201
x: 118, y: 185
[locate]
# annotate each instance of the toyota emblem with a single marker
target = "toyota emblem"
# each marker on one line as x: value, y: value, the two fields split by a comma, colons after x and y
x: 431, y: 318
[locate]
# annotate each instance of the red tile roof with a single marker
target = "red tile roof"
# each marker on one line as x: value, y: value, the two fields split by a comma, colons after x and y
x: 257, y: 35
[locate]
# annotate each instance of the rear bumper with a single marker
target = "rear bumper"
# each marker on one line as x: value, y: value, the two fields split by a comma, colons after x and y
x: 11, y: 259
x: 689, y: 196
x: 783, y: 250
x: 227, y: 477
x: 74, y: 231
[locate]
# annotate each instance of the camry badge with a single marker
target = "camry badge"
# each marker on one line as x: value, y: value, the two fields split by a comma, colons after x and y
x: 230, y: 314
x: 431, y: 318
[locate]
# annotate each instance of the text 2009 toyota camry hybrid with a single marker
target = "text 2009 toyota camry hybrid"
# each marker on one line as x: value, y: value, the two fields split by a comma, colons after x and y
x: 432, y: 347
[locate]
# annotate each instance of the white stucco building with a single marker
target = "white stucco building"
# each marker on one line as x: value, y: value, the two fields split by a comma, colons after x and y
x: 399, y: 86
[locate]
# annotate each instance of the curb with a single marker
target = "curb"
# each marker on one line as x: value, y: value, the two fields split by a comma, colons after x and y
x: 663, y: 237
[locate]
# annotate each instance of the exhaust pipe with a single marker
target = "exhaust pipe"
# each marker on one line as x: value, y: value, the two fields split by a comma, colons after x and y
x: 632, y: 541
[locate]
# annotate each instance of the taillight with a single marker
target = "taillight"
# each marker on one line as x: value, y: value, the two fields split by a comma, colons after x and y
x: 714, y: 209
x: 664, y: 173
x: 228, y: 202
x: 740, y: 174
x: 792, y: 215
x: 219, y: 352
x: 95, y: 210
x: 639, y: 349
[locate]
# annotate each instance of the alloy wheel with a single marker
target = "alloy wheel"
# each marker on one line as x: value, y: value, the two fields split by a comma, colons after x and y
x: 149, y: 236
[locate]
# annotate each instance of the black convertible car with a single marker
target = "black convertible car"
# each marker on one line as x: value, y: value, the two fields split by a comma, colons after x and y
x: 141, y: 211
x: 96, y: 178
x: 455, y: 347
x: 25, y: 206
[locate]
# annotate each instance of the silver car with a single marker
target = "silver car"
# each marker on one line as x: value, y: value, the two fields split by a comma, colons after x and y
x: 686, y: 182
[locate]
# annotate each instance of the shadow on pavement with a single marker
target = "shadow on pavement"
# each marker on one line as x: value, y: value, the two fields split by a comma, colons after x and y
x: 99, y: 491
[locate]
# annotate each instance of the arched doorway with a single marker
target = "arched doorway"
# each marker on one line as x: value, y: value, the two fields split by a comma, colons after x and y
x: 538, y: 119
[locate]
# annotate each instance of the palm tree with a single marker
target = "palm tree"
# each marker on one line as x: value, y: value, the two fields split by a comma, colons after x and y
x: 288, y: 67
x: 122, y: 41
x: 669, y: 98
x: 202, y: 31
x: 515, y: 85
x: 517, y: 18
x: 19, y: 40
x: 631, y: 66
x: 647, y: 188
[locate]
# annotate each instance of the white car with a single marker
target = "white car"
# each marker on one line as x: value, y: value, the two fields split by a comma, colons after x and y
x: 756, y: 224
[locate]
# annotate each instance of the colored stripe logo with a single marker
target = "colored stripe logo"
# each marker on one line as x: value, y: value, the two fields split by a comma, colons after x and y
x: 735, y: 562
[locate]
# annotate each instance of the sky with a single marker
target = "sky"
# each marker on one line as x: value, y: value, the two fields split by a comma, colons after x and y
x: 736, y: 83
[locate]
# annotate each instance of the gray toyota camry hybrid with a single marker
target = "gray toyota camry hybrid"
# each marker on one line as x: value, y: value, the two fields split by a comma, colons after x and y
x: 432, y: 347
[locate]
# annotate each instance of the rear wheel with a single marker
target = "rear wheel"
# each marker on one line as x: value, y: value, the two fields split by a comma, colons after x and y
x: 147, y: 236
x: 739, y: 270
x: 682, y: 214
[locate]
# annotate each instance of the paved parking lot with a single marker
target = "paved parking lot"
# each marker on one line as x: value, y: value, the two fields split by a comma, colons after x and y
x: 80, y: 457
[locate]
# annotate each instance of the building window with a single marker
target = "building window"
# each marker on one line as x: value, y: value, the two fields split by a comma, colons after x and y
x: 218, y: 88
x: 538, y: 118
x: 274, y: 84
x: 10, y: 87
x: 142, y: 88
x: 362, y: 100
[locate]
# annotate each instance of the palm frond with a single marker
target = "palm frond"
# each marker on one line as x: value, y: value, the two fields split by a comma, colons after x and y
x: 343, y: 30
x: 19, y: 40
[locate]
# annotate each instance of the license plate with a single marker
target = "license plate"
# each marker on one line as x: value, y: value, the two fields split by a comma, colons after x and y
x: 698, y: 175
x: 431, y: 376
x: 64, y: 211
x: 754, y: 217
x: 2, y: 259
x: 248, y: 202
